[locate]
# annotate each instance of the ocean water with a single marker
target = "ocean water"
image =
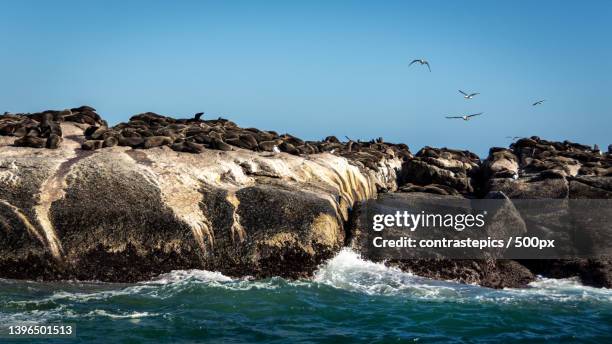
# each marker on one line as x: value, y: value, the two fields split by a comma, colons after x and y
x: 349, y: 300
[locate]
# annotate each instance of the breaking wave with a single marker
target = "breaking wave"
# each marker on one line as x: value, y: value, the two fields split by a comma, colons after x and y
x: 345, y: 286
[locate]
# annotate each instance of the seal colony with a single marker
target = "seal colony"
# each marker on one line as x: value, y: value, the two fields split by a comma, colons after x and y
x: 150, y: 130
x: 83, y: 200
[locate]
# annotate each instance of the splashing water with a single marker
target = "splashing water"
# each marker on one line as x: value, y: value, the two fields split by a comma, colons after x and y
x: 348, y: 299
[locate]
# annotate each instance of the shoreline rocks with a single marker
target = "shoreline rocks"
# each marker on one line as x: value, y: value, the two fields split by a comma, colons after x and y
x: 82, y: 200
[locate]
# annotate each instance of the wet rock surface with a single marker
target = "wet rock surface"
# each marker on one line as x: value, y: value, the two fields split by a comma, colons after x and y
x: 82, y: 199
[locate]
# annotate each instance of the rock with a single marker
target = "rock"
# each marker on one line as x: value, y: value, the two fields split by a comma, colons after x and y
x: 125, y: 215
x: 505, y: 221
x: 431, y: 188
x: 487, y: 273
x: 533, y: 188
x: 592, y: 272
x: 452, y: 168
x: 501, y: 163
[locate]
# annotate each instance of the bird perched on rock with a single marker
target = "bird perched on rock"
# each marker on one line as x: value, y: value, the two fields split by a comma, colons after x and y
x: 538, y: 102
x: 198, y: 115
x: 464, y: 117
x: 422, y: 62
x: 468, y: 96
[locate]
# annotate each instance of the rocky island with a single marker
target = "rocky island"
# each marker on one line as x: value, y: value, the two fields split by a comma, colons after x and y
x: 82, y: 200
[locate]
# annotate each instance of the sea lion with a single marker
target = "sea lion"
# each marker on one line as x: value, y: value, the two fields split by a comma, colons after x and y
x: 220, y: 145
x: 53, y: 141
x: 62, y: 115
x: 134, y: 142
x: 331, y: 139
x: 90, y: 130
x: 110, y: 141
x: 157, y: 141
x: 187, y: 147
x: 268, y: 146
x: 198, y: 116
x: 92, y: 144
x: 31, y: 141
x: 288, y: 148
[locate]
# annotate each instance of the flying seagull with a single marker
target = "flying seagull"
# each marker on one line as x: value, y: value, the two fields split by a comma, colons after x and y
x: 538, y: 102
x: 468, y: 96
x: 513, y: 137
x: 422, y: 62
x: 464, y: 117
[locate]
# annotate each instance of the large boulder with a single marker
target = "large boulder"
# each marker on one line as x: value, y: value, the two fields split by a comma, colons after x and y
x: 123, y: 214
x: 472, y: 267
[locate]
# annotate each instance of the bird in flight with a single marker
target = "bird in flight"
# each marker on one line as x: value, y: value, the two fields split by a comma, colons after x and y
x: 422, y: 62
x: 468, y: 96
x: 513, y: 137
x: 538, y: 102
x: 464, y: 117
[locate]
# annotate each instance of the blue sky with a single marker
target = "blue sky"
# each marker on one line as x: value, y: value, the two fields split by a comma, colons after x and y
x: 318, y: 68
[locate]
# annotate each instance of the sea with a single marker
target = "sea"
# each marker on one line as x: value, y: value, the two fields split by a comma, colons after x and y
x: 349, y: 300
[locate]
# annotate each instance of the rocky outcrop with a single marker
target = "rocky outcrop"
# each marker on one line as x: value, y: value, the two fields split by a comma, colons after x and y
x: 487, y: 271
x: 122, y: 214
x: 539, y: 169
x: 81, y: 199
x: 443, y: 168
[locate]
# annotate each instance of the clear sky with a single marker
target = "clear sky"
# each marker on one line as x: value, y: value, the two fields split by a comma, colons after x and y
x: 315, y: 68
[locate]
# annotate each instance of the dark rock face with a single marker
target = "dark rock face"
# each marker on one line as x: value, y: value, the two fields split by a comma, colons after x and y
x: 487, y: 272
x: 451, y: 168
x: 554, y: 170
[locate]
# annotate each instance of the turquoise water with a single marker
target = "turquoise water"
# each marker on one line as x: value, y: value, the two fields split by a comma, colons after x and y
x: 349, y: 300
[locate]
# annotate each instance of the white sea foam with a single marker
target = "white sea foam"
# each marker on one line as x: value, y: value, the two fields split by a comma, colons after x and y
x: 178, y: 276
x: 125, y: 315
x: 348, y: 271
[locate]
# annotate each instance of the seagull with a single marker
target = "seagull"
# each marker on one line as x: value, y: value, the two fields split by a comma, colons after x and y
x: 422, y: 62
x: 464, y: 117
x: 198, y: 115
x: 468, y: 96
x: 513, y: 137
x: 538, y: 102
x: 275, y: 149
